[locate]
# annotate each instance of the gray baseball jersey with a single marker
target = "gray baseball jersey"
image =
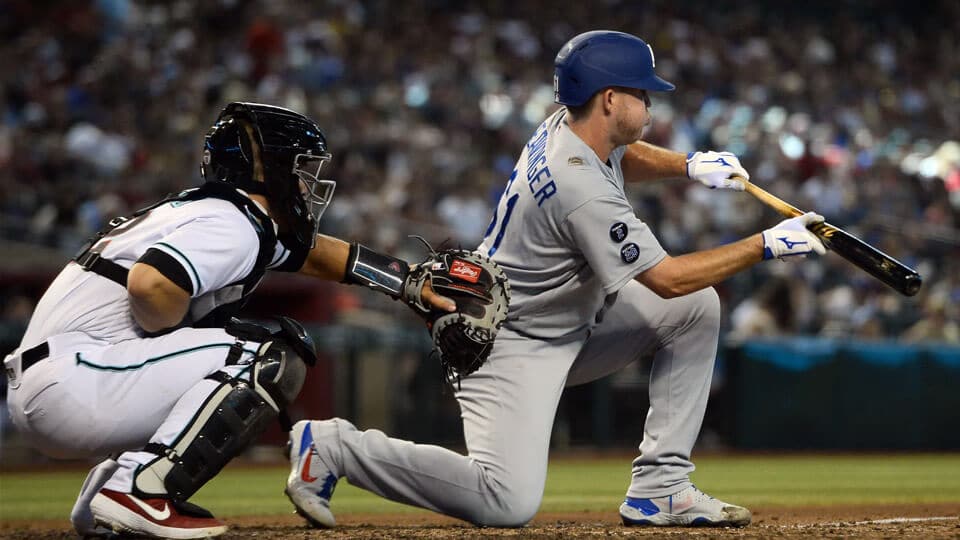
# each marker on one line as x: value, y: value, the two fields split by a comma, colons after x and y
x: 565, y: 234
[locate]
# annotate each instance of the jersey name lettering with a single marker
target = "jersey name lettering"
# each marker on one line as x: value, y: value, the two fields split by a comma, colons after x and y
x: 539, y: 178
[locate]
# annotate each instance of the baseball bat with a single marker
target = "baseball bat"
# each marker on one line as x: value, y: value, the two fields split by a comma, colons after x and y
x: 878, y: 264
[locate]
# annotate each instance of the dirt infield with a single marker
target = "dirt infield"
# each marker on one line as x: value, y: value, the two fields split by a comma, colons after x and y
x: 874, y: 521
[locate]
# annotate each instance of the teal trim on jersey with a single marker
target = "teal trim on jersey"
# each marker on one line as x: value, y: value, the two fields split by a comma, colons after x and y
x: 196, y: 276
x: 82, y: 362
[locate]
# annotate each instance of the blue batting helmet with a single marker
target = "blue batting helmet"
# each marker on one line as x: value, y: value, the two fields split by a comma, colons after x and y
x: 602, y: 58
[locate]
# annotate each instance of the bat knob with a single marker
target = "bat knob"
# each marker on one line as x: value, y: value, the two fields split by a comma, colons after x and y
x: 912, y: 283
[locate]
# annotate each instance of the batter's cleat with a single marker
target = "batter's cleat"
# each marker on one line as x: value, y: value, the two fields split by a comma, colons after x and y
x: 311, y: 483
x: 688, y: 507
x: 126, y: 514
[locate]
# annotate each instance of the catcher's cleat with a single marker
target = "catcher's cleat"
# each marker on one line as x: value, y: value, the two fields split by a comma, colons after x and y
x: 126, y: 514
x: 81, y: 517
x: 688, y: 507
x: 311, y: 483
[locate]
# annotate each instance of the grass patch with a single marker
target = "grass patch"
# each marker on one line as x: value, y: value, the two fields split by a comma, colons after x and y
x: 815, y: 480
x: 572, y: 485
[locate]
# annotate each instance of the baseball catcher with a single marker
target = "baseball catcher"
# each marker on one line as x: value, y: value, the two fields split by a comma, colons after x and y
x: 136, y: 352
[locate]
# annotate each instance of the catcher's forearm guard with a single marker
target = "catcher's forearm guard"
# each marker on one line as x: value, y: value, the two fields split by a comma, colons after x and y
x: 375, y: 270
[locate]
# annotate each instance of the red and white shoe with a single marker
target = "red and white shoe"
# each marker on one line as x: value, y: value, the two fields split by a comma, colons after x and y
x: 80, y: 516
x: 124, y: 513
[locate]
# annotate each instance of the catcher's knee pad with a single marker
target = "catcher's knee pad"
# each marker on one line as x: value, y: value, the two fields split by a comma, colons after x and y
x: 280, y: 329
x: 235, y: 413
x: 279, y: 373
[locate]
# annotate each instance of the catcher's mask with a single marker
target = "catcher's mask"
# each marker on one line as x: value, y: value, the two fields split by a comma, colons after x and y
x: 275, y: 152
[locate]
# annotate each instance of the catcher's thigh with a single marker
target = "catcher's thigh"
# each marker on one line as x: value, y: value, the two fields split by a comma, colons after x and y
x: 91, y: 399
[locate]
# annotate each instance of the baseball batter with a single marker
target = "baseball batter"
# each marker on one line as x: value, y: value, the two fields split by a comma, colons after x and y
x: 133, y: 352
x: 593, y: 291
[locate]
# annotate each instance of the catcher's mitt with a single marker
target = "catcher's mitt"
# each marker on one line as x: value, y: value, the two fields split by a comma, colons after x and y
x: 463, y: 338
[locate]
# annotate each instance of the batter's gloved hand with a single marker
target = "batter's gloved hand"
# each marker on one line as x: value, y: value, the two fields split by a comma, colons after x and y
x: 791, y: 237
x: 462, y: 338
x: 716, y: 170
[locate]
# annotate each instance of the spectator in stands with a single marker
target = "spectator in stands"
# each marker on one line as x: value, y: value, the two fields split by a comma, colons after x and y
x: 97, y: 93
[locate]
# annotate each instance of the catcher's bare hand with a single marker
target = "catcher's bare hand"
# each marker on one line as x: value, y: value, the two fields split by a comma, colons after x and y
x: 435, y: 300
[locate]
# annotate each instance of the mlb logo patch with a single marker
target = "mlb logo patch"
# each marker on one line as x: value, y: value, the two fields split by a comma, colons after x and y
x: 465, y: 271
x: 618, y: 232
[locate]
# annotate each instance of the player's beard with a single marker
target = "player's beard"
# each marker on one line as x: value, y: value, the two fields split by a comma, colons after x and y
x: 628, y: 131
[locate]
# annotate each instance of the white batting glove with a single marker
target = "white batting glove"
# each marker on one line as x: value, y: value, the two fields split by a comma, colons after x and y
x: 715, y: 169
x: 791, y: 237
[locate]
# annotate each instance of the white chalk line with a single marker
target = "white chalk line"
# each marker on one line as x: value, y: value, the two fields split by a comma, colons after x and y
x: 885, y: 521
x: 906, y: 520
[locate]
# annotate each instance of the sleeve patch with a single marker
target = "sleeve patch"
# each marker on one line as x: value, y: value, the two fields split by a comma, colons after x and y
x: 618, y: 232
x: 629, y: 253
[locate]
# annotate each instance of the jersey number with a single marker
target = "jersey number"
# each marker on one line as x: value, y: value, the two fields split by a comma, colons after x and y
x: 511, y: 202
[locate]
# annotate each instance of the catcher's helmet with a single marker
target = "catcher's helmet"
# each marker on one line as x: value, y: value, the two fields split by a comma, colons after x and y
x: 595, y: 60
x: 275, y: 152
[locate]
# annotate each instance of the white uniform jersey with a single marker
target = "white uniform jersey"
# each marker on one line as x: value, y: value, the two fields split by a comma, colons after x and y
x: 565, y: 234
x: 206, y: 246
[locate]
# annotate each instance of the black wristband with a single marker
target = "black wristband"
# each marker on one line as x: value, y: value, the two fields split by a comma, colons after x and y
x: 376, y: 270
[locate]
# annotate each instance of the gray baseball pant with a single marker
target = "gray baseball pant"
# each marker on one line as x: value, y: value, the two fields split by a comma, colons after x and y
x: 508, y: 408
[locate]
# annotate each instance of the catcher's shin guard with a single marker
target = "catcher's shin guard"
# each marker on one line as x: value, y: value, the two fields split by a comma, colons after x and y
x: 231, y: 417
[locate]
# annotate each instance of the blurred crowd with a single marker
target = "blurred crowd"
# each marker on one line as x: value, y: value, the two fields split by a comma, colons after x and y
x: 848, y: 108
